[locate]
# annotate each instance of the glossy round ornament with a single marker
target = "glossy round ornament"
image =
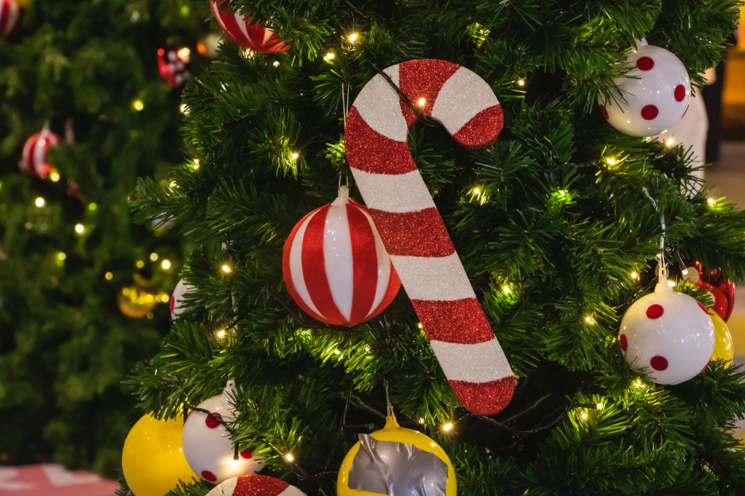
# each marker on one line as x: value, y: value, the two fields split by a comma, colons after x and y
x: 667, y: 335
x: 244, y: 30
x: 153, y: 460
x: 34, y: 157
x: 137, y: 300
x: 723, y: 348
x: 207, y: 444
x: 655, y: 93
x: 396, y: 460
x: 336, y: 267
x: 255, y: 485
x: 176, y: 303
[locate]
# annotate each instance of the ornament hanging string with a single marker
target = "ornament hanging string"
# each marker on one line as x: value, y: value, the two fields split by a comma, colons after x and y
x: 662, y: 264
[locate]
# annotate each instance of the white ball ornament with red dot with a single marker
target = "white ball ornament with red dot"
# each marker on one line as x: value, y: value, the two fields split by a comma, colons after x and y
x: 654, y: 93
x: 207, y: 445
x: 176, y: 303
x: 667, y: 335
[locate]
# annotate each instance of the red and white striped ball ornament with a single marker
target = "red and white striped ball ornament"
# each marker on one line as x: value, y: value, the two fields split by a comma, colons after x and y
x: 410, y: 225
x: 177, y: 299
x: 255, y: 485
x: 655, y: 93
x: 173, y: 65
x: 336, y: 267
x: 10, y: 14
x: 207, y: 445
x: 667, y: 335
x: 244, y: 31
x: 34, y: 158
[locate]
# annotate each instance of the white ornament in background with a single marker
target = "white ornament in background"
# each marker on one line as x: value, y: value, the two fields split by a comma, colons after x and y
x: 667, y: 335
x: 656, y: 90
x: 177, y: 299
x: 690, y: 132
x: 207, y: 444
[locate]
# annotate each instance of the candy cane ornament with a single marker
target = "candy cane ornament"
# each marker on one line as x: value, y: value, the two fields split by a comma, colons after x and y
x: 410, y: 225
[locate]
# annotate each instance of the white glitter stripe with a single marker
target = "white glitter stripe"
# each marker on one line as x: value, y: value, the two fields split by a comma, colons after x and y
x: 13, y: 15
x: 380, y: 107
x: 433, y: 278
x: 398, y: 193
x: 216, y: 12
x: 476, y: 363
x: 338, y: 258
x: 241, y: 21
x: 296, y: 266
x: 461, y: 98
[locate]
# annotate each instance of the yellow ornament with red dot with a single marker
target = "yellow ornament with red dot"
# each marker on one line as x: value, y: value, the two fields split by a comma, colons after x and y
x: 153, y: 459
x: 723, y: 349
x: 396, y: 460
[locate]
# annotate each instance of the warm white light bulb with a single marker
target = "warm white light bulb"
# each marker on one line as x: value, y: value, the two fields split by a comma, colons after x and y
x: 289, y: 457
x: 221, y: 334
x: 166, y: 264
x: 611, y: 161
x: 79, y: 228
x: 226, y: 268
x: 589, y: 320
x: 521, y: 82
x: 353, y: 37
x: 295, y: 156
x: 40, y: 202
x: 422, y: 102
x: 447, y: 427
x: 711, y: 201
x: 583, y: 415
x: 670, y: 141
x: 54, y: 176
x: 153, y: 256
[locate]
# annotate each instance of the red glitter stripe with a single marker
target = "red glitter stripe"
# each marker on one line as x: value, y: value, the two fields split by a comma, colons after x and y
x: 424, y: 79
x: 370, y: 151
x: 364, y: 263
x: 288, y: 274
x: 483, y: 129
x: 414, y: 234
x: 314, y: 269
x: 486, y: 398
x: 4, y: 15
x: 460, y: 321
x: 232, y: 29
x: 259, y: 485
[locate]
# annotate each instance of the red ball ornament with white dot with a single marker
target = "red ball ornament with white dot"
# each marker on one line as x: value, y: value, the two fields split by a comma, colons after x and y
x: 207, y: 445
x: 176, y: 303
x: 173, y: 65
x: 34, y: 158
x: 255, y: 485
x: 335, y: 264
x: 667, y: 335
x: 244, y: 30
x: 654, y: 93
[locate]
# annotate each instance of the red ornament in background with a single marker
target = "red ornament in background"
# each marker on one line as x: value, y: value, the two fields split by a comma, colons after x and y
x: 244, y: 31
x: 10, y: 14
x: 173, y: 65
x: 723, y: 290
x: 336, y: 267
x: 34, y: 159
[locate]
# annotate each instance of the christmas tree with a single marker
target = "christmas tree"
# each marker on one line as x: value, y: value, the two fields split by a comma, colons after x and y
x: 560, y: 223
x: 84, y: 291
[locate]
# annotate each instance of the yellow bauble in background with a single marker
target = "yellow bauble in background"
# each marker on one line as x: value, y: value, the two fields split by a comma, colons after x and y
x: 138, y: 300
x: 723, y: 349
x: 396, y: 460
x: 24, y: 3
x: 153, y: 460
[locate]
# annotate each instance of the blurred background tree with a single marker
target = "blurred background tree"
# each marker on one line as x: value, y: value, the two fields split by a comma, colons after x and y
x: 83, y: 290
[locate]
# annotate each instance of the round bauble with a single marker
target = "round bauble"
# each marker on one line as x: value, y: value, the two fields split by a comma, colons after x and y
x: 176, y: 304
x: 396, y: 460
x: 137, y: 300
x: 173, y: 65
x: 336, y: 267
x: 207, y: 444
x: 722, y: 289
x: 10, y: 14
x: 723, y: 349
x: 667, y: 335
x: 244, y: 30
x: 34, y: 158
x: 255, y: 485
x: 654, y: 93
x: 153, y: 460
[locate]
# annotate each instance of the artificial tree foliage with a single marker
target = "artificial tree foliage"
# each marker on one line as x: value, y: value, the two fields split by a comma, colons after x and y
x: 550, y: 221
x: 65, y: 348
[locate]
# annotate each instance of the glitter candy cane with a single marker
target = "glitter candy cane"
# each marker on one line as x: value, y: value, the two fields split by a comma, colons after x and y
x: 410, y: 225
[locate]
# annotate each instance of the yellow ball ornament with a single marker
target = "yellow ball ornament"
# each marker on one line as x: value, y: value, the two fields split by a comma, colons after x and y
x: 396, y: 460
x: 723, y: 349
x: 153, y: 460
x: 24, y: 3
